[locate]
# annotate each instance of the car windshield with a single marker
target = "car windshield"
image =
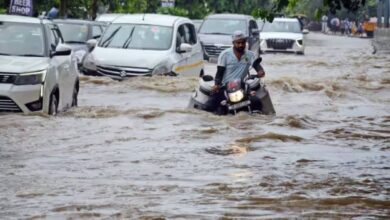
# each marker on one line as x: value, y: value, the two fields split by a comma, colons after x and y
x: 137, y: 36
x: 74, y: 33
x: 282, y: 26
x: 222, y: 26
x: 21, y: 39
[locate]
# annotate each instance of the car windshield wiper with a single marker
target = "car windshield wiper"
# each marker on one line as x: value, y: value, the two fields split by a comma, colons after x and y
x: 129, y: 38
x: 30, y: 55
x: 217, y: 33
x: 109, y: 38
x: 6, y: 54
x: 75, y: 42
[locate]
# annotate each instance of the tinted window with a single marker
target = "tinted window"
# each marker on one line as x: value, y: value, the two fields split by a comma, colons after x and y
x: 134, y: 36
x: 21, y: 39
x: 223, y: 26
x: 252, y: 25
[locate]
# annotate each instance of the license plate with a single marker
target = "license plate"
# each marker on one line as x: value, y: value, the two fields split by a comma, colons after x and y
x: 239, y: 105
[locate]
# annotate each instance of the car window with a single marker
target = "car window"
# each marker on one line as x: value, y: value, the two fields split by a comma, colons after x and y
x: 96, y: 31
x: 186, y: 34
x: 191, y: 32
x: 74, y: 33
x: 54, y: 37
x: 252, y: 25
x: 137, y: 36
x: 20, y: 39
x: 223, y: 26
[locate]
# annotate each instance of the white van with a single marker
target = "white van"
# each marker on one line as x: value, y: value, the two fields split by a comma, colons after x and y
x: 146, y: 44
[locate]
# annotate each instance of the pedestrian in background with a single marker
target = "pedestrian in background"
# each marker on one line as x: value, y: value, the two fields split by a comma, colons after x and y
x: 324, y: 20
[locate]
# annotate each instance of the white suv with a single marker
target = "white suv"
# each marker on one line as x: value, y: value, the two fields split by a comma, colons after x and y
x: 282, y: 35
x: 37, y: 72
x: 146, y: 44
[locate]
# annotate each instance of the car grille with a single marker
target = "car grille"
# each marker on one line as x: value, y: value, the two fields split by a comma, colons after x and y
x: 7, y: 77
x: 121, y: 72
x: 212, y: 50
x: 7, y: 105
x: 280, y: 44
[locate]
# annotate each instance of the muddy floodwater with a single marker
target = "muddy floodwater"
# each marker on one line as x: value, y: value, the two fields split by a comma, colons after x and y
x: 132, y: 150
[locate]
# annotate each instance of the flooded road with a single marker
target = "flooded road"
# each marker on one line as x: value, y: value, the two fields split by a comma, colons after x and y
x: 132, y: 150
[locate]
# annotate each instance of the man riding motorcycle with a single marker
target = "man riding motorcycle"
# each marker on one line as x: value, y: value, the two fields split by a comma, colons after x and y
x: 234, y: 63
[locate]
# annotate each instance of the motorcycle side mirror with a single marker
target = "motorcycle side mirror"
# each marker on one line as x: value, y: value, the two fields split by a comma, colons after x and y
x: 257, y: 62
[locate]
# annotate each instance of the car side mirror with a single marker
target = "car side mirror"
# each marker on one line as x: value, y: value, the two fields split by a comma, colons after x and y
x: 257, y: 62
x: 184, y: 48
x: 62, y: 50
x: 91, y: 44
x: 305, y: 31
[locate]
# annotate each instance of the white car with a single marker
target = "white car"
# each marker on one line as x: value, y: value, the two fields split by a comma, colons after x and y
x: 282, y: 35
x: 38, y: 73
x: 146, y: 44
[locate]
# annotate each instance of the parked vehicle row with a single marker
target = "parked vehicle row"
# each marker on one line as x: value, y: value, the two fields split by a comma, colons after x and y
x: 40, y: 59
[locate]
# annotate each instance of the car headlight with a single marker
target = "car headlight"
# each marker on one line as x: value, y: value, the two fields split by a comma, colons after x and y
x: 31, y: 78
x: 236, y: 96
x: 300, y: 42
x: 90, y: 62
x: 79, y: 55
x: 160, y: 70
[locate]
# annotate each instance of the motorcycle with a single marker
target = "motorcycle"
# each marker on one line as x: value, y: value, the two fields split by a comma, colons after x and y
x: 239, y: 95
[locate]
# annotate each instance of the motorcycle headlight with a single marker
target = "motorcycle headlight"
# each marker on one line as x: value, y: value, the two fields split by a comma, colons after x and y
x: 236, y: 96
x: 160, y: 70
x: 90, y: 62
x: 31, y: 78
x: 79, y: 55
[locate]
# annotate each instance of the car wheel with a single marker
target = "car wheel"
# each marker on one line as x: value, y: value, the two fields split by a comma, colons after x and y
x: 53, y: 105
x: 74, y: 97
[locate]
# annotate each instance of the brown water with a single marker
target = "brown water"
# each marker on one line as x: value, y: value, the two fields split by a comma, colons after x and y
x: 133, y: 150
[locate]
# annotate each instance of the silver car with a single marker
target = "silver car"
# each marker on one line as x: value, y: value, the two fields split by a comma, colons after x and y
x: 38, y: 73
x: 282, y: 35
x: 216, y: 32
x: 146, y: 44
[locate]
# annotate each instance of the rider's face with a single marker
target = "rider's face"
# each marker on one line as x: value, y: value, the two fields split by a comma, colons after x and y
x: 239, y: 45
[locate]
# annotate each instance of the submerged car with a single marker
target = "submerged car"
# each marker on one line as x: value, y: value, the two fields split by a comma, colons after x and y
x: 282, y: 35
x: 37, y: 71
x: 76, y: 33
x: 216, y: 32
x: 145, y: 44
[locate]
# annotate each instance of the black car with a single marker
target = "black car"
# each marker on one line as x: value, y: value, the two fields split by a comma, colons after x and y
x: 216, y: 32
x: 76, y: 33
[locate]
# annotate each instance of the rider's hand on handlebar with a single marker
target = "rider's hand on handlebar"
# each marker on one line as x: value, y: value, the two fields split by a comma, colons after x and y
x: 216, y: 88
x: 261, y: 73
